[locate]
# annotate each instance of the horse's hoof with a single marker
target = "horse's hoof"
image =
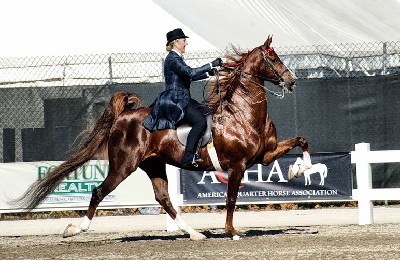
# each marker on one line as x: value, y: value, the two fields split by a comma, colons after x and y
x: 303, y: 142
x: 237, y: 237
x: 197, y: 237
x: 71, y: 230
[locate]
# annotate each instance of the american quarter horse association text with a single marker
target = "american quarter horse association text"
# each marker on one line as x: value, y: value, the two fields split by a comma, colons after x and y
x: 242, y: 132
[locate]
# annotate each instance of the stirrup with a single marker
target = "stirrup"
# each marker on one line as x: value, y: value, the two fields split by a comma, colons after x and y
x: 193, y: 163
x: 196, y: 160
x: 190, y: 164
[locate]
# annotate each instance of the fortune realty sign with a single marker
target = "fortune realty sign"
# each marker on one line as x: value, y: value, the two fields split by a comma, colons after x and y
x: 328, y: 179
x: 75, y: 191
x: 82, y: 180
x: 78, y: 186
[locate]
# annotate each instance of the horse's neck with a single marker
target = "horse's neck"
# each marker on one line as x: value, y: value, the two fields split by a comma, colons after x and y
x: 248, y: 109
x: 252, y: 100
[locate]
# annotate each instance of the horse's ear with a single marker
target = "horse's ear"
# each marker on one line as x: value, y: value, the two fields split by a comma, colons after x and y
x: 268, y: 41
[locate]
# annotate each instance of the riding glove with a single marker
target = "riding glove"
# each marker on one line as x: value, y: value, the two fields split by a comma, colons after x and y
x: 211, y: 72
x: 216, y: 63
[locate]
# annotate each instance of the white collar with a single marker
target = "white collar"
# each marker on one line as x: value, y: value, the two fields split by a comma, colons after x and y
x: 180, y: 55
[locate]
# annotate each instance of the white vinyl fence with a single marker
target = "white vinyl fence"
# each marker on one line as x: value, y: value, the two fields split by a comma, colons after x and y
x: 363, y: 157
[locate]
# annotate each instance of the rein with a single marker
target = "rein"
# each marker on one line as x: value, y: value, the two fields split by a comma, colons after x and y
x: 276, y: 94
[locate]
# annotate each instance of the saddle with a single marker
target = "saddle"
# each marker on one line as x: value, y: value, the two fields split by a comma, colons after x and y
x: 183, y: 131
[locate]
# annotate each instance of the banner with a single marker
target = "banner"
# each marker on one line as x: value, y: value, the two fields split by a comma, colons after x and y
x: 75, y: 191
x: 328, y: 179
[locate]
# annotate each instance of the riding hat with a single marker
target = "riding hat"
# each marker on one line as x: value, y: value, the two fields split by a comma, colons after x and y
x: 175, y: 34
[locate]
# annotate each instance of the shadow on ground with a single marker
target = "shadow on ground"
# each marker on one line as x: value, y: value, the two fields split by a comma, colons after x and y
x: 219, y: 234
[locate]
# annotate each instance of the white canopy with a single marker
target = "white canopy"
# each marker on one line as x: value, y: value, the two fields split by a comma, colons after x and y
x: 247, y: 23
x: 68, y: 27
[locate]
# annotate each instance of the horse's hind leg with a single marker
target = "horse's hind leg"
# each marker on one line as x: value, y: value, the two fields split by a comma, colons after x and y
x: 113, y: 179
x: 156, y: 171
x: 322, y: 182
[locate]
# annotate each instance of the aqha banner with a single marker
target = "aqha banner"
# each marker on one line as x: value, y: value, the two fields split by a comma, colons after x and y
x: 328, y: 179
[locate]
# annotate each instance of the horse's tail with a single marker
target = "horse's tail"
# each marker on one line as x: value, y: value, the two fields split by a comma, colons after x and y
x: 93, y: 142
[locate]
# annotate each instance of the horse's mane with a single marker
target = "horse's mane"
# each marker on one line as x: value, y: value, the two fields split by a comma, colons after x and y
x: 225, y: 83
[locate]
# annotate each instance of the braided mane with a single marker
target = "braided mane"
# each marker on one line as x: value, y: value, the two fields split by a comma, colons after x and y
x: 222, y: 87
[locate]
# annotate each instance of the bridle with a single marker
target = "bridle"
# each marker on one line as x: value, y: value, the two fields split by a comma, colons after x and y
x: 278, y: 77
x: 271, y: 67
x: 247, y: 75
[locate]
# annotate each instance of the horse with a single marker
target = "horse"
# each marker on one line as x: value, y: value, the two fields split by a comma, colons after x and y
x: 318, y: 167
x: 321, y: 169
x: 243, y: 134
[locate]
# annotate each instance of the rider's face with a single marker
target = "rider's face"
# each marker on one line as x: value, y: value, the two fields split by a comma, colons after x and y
x: 180, y: 45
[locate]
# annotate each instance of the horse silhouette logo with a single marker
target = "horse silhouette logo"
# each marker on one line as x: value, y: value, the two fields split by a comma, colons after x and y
x: 315, y: 168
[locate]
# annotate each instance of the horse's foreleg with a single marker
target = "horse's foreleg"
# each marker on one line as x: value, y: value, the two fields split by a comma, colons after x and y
x: 234, y: 179
x: 283, y: 148
x: 157, y: 173
x: 98, y: 194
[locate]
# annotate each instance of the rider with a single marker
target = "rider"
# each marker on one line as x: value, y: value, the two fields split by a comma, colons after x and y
x: 175, y: 105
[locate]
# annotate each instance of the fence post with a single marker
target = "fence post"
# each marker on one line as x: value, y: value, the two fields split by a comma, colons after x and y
x: 110, y: 70
x: 384, y: 58
x: 364, y: 184
x: 174, y: 190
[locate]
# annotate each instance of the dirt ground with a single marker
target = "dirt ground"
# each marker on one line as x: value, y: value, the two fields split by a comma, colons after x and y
x: 378, y: 241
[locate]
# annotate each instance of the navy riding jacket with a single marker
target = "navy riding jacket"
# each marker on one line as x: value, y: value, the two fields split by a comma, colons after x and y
x: 170, y: 105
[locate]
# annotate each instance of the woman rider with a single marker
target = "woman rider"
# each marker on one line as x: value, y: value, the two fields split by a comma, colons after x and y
x: 175, y: 105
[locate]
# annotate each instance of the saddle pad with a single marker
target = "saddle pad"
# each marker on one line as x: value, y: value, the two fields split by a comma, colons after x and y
x: 183, y: 132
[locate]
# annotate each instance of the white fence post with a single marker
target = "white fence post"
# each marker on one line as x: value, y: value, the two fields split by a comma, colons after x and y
x: 364, y: 184
x: 174, y: 190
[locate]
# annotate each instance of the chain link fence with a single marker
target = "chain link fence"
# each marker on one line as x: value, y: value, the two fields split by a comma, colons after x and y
x: 47, y: 98
x: 321, y: 61
x: 90, y: 69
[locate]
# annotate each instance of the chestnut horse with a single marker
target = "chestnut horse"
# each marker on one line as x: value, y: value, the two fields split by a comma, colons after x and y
x: 242, y: 132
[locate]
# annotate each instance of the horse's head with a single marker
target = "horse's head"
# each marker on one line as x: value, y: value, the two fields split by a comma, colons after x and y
x: 253, y: 68
x: 272, y: 68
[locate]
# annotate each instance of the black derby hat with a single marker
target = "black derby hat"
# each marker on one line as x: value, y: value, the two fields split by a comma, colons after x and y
x: 175, y: 34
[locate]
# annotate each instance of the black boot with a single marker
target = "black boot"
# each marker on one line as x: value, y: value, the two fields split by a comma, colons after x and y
x: 189, y: 161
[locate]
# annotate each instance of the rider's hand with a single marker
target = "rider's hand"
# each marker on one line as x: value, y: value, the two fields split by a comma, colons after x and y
x: 216, y: 63
x: 211, y: 72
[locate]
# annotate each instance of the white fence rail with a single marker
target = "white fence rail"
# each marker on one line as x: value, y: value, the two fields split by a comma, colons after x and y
x: 363, y: 157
